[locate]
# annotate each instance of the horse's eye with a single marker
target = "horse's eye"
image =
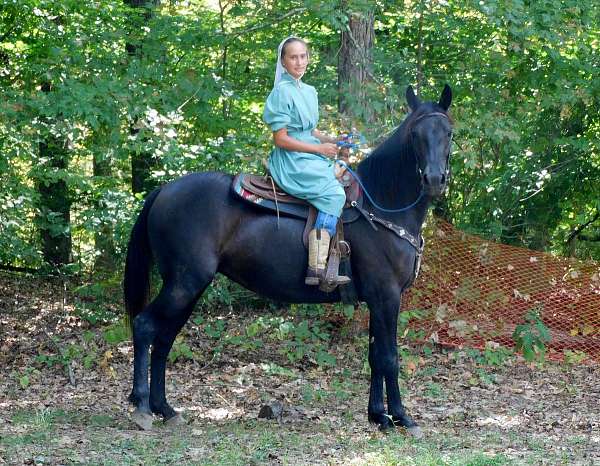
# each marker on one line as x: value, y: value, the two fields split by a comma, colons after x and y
x: 449, y: 134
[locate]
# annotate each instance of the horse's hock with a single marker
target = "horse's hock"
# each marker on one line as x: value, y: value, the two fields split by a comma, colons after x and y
x: 472, y: 291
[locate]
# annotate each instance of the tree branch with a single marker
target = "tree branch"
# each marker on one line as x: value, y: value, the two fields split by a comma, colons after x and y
x: 589, y: 238
x: 12, y: 268
x: 240, y: 32
x: 576, y: 232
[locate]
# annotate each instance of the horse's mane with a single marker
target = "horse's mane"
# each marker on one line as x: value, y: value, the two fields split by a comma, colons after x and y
x: 390, y: 169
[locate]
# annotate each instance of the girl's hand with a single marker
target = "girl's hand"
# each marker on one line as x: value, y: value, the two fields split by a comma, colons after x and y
x: 328, y: 149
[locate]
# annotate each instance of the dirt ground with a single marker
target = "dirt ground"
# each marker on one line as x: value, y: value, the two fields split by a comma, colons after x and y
x: 63, y: 390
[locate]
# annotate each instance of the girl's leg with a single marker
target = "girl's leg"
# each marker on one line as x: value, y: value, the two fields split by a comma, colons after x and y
x: 326, y: 222
x: 318, y: 250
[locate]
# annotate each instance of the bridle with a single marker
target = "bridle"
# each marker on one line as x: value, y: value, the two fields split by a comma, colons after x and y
x: 418, y: 166
x: 419, y: 172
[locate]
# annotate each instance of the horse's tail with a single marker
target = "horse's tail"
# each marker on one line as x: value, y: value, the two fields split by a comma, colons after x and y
x: 136, y: 283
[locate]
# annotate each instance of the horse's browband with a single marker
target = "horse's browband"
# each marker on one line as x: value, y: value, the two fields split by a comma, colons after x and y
x: 427, y: 115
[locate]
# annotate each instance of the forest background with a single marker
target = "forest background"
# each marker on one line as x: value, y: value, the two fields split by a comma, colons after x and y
x: 100, y: 101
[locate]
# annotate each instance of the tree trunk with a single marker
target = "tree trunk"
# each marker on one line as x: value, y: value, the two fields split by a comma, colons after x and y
x: 420, y: 77
x: 222, y: 14
x: 355, y: 65
x: 54, y: 218
x: 103, y: 235
x: 141, y: 163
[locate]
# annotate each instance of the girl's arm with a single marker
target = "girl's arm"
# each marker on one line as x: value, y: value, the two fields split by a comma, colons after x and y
x: 324, y: 137
x: 326, y: 148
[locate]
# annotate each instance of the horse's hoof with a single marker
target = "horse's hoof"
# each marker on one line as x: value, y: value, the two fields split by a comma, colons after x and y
x: 174, y: 421
x: 415, y: 432
x: 386, y: 427
x: 143, y: 420
x: 384, y: 424
x: 382, y: 421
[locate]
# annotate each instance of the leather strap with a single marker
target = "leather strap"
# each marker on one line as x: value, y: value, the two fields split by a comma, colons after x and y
x: 366, y: 214
x: 310, y: 221
x: 427, y: 115
x: 331, y: 272
x: 348, y: 292
x: 333, y: 263
x: 396, y: 229
x: 402, y: 233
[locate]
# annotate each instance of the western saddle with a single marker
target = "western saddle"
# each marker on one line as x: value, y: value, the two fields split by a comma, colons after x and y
x: 263, y: 192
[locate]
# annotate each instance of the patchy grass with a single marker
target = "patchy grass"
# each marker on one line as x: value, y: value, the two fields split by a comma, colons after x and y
x: 233, y: 442
x: 263, y: 442
x: 71, y: 408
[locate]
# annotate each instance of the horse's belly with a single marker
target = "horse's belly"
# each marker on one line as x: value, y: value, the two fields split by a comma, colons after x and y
x: 271, y: 261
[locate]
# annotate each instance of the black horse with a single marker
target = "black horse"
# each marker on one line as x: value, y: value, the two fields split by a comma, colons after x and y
x: 195, y: 227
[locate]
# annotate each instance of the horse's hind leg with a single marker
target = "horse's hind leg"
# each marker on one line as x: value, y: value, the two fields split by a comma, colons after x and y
x: 157, y: 325
x: 163, y: 342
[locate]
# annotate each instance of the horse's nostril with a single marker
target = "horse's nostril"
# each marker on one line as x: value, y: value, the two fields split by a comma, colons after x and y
x: 443, y: 181
x: 425, y: 179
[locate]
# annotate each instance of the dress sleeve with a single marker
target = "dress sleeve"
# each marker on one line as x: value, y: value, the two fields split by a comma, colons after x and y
x: 278, y: 109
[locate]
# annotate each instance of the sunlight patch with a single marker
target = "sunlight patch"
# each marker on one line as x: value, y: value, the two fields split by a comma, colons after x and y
x: 217, y: 414
x: 500, y: 420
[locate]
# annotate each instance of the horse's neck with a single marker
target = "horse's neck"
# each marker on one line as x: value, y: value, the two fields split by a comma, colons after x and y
x: 413, y: 218
x: 401, y: 188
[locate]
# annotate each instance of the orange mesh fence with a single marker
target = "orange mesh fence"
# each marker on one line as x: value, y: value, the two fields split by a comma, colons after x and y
x: 472, y: 291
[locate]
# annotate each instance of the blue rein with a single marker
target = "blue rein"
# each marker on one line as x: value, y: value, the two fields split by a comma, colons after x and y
x: 377, y: 206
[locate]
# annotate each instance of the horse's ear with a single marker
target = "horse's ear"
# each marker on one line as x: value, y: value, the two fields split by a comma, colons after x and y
x: 412, y: 99
x: 446, y: 98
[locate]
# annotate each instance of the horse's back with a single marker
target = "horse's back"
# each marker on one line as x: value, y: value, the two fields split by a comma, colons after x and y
x: 194, y: 185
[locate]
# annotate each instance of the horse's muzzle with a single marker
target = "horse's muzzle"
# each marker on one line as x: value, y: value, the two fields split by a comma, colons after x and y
x: 434, y: 183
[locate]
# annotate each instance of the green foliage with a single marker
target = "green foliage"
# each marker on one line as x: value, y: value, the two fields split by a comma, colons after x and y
x: 95, y: 302
x: 298, y: 336
x: 531, y: 337
x: 224, y: 293
x: 274, y: 369
x: 434, y: 390
x: 215, y: 329
x: 527, y: 139
x: 341, y: 388
x: 304, y: 340
x: 116, y: 333
x: 404, y: 319
x: 180, y: 350
x: 492, y: 355
x: 67, y: 354
x: 25, y: 376
x: 575, y: 357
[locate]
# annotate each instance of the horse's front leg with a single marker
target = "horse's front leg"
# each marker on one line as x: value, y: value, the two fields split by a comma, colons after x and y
x: 383, y: 359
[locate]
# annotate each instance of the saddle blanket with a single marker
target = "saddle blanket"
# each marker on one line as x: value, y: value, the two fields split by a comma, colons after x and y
x: 259, y: 191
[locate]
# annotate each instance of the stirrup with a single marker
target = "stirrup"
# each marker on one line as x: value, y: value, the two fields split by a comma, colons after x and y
x: 313, y: 277
x: 332, y: 279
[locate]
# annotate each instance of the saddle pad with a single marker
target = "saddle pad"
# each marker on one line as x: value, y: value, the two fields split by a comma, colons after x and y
x: 285, y: 208
x: 286, y: 204
x: 266, y: 188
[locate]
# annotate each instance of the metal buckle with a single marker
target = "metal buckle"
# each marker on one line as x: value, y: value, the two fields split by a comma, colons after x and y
x: 344, y: 247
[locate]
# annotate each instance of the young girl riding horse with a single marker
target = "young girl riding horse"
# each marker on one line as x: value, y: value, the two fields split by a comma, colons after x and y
x: 299, y: 162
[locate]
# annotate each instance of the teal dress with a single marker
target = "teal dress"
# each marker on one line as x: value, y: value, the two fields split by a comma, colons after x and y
x: 294, y: 105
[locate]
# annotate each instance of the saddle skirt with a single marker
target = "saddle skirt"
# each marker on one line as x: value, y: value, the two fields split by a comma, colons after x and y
x: 263, y: 192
